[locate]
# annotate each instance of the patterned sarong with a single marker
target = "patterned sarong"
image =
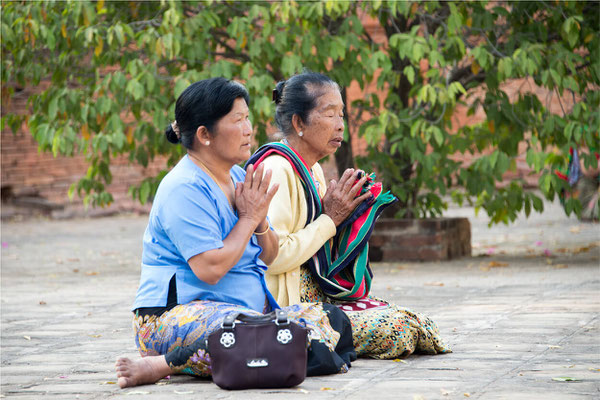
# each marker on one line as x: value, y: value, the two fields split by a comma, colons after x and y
x: 341, y: 267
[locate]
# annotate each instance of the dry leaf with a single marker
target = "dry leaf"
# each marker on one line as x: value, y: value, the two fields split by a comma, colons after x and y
x: 95, y: 336
x: 497, y: 264
x: 42, y: 303
x: 326, y: 388
x: 467, y: 394
x: 73, y: 259
x: 554, y: 347
x: 400, y: 361
x: 561, y: 266
x: 594, y: 369
x: 109, y: 383
x: 575, y: 229
x: 433, y: 284
x: 76, y: 270
x: 27, y: 337
x: 581, y: 249
x: 91, y: 273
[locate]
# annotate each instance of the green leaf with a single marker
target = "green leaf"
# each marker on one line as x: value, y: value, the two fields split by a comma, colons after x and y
x: 565, y: 379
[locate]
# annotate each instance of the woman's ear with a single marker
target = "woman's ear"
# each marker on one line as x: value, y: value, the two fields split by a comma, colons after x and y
x: 297, y: 123
x: 202, y: 134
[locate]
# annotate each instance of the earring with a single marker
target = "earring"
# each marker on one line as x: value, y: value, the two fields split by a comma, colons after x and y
x: 207, y: 142
x: 300, y: 134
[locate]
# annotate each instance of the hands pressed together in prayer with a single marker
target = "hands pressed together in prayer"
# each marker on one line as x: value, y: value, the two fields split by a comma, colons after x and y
x: 340, y: 199
x: 253, y: 196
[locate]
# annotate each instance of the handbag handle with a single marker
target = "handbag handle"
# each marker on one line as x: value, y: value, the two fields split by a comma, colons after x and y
x: 279, y: 316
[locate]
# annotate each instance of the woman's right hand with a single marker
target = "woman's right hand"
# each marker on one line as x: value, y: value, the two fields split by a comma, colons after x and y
x: 340, y: 199
x: 253, y: 196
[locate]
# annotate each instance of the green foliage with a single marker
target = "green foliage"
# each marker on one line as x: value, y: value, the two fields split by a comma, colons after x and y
x: 116, y: 69
x: 443, y: 55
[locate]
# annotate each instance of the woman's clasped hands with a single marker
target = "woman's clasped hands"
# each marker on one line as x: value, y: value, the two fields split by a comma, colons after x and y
x: 253, y: 196
x: 340, y: 199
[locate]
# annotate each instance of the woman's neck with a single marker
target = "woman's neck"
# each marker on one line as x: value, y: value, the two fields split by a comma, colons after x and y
x: 217, y: 168
x: 303, y: 150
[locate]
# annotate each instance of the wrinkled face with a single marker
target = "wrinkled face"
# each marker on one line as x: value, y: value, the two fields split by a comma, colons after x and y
x: 233, y: 133
x: 323, y: 133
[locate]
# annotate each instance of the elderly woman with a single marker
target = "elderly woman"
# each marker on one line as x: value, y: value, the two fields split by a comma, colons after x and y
x: 208, y: 242
x: 309, y: 113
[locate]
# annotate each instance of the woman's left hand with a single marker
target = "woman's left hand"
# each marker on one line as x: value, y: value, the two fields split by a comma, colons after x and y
x: 253, y: 196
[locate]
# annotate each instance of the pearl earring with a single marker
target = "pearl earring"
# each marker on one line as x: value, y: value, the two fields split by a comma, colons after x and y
x: 300, y: 134
x: 207, y: 142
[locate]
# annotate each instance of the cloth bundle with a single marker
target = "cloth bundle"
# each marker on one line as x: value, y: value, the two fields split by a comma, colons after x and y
x: 341, y: 266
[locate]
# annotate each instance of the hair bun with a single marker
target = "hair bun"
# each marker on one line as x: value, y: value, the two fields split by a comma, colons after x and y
x: 172, y: 135
x: 278, y: 92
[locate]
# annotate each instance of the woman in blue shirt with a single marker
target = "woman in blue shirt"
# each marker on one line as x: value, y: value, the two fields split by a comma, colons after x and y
x: 208, y: 241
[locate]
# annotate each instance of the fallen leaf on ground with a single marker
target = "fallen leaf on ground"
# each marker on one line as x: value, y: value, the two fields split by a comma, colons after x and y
x: 561, y: 266
x: 91, y: 273
x: 594, y: 369
x: 183, y: 391
x: 73, y: 259
x: 575, y: 229
x: 326, y: 388
x: 467, y: 394
x: 400, y: 361
x: 109, y: 383
x: 562, y: 250
x: 42, y: 303
x: 27, y: 337
x: 496, y: 264
x: 570, y: 366
x: 581, y: 249
x: 565, y: 379
x: 433, y: 284
x: 551, y: 346
x: 76, y: 270
x: 95, y: 336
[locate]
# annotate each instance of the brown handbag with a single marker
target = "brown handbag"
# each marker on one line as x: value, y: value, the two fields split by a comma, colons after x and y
x: 263, y: 351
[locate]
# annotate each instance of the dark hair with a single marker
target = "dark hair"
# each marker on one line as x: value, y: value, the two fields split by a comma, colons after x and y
x: 204, y: 103
x: 298, y: 95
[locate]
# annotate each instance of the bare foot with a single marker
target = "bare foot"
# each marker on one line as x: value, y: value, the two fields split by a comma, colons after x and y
x: 143, y: 371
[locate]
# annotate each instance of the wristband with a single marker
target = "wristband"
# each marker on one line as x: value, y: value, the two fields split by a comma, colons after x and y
x: 264, y: 232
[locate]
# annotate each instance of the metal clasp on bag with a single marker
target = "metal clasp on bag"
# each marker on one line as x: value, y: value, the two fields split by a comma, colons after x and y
x: 284, y: 336
x: 227, y: 337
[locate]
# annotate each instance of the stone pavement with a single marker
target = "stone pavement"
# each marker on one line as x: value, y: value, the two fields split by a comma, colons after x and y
x: 522, y: 316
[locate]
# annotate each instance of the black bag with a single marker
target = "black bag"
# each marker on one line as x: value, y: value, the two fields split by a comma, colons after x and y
x: 263, y: 351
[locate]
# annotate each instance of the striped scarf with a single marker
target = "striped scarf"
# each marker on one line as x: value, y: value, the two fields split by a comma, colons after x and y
x: 341, y: 267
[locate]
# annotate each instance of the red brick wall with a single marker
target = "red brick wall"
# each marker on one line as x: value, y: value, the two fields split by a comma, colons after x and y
x: 27, y: 172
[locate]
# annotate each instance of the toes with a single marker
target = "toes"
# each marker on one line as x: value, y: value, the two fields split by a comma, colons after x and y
x: 123, y: 382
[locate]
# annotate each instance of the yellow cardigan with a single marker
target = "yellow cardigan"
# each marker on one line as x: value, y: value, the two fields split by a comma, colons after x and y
x: 297, y: 242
